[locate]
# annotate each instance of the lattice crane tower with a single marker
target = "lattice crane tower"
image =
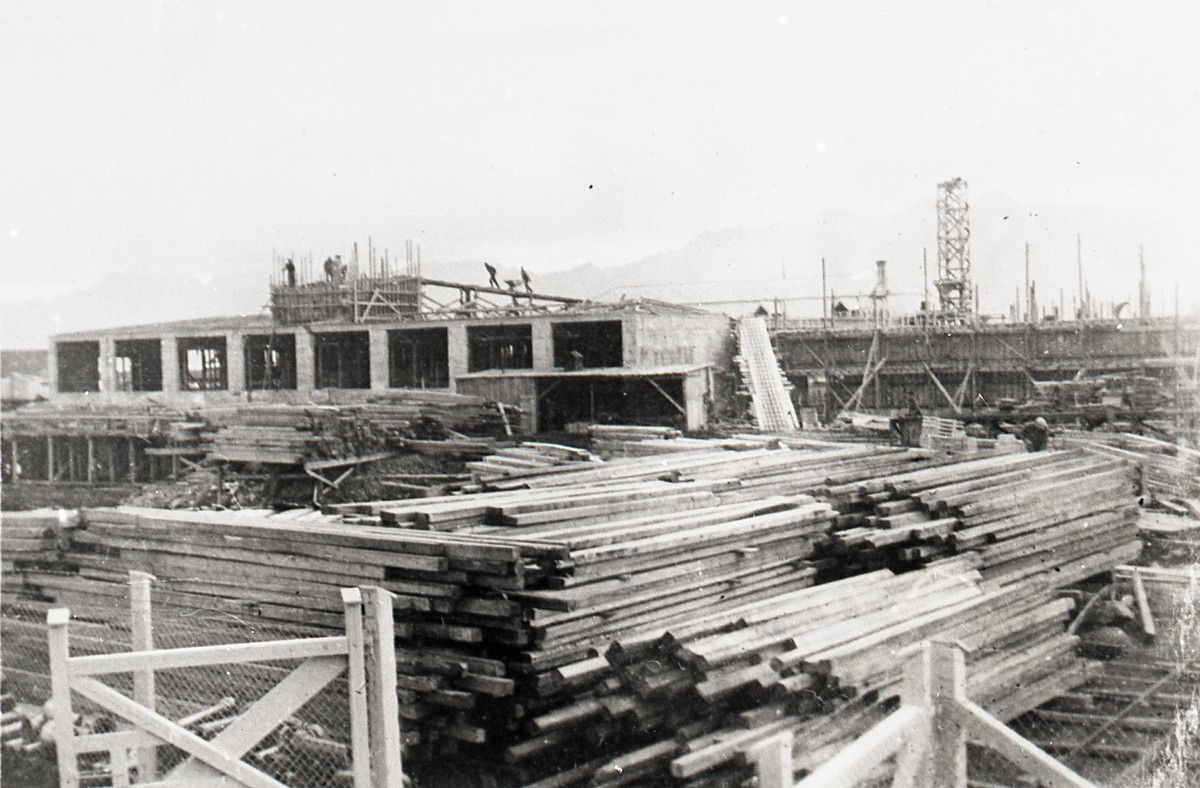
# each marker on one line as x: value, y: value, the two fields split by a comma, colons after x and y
x: 954, y: 248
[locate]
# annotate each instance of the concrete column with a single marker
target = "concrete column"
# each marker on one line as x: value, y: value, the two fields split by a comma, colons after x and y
x: 379, y: 359
x: 108, y: 365
x: 543, y: 345
x: 695, y: 385
x: 170, y: 363
x: 235, y: 363
x: 306, y: 370
x: 52, y: 366
x: 456, y: 351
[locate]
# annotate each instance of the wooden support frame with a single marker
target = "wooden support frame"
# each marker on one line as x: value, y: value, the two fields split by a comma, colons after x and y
x: 927, y: 734
x: 937, y: 382
x: 654, y: 383
x: 366, y: 651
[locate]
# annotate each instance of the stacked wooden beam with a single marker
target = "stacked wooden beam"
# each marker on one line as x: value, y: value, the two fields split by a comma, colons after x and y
x: 823, y: 662
x: 651, y: 618
x: 1071, y: 512
x: 527, y: 458
x: 1171, y: 471
x: 290, y: 434
x: 36, y: 537
x: 458, y: 412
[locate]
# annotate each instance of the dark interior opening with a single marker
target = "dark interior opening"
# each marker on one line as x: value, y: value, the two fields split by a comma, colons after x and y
x: 608, y: 400
x: 138, y: 365
x: 203, y: 365
x: 270, y: 361
x: 587, y: 345
x: 499, y: 347
x: 343, y: 360
x: 78, y: 366
x: 418, y: 358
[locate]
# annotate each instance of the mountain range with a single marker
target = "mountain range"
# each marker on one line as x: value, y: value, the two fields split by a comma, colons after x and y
x: 734, y: 269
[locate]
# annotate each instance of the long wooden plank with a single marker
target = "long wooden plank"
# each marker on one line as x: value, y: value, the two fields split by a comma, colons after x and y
x: 197, y: 656
x: 162, y: 728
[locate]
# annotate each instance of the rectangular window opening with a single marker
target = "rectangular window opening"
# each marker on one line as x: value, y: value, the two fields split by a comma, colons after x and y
x: 78, y: 366
x: 418, y: 358
x: 137, y: 365
x: 270, y: 362
x: 202, y: 364
x: 499, y: 347
x: 342, y: 359
x: 591, y: 344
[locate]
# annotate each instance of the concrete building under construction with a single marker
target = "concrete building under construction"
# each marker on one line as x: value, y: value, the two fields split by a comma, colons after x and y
x: 559, y: 359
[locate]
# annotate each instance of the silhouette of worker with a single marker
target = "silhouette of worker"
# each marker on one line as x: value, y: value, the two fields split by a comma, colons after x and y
x: 491, y: 269
x: 331, y: 270
x: 512, y: 289
x: 289, y: 270
x: 527, y: 280
x: 1036, y: 434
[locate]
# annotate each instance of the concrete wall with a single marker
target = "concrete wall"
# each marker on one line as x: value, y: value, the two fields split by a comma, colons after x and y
x: 456, y: 350
x: 235, y: 360
x: 379, y: 359
x: 521, y: 392
x: 664, y: 340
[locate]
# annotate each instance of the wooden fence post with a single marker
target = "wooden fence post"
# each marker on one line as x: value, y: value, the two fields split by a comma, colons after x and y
x: 382, y: 704
x: 772, y: 759
x: 948, y: 688
x: 356, y: 679
x: 60, y: 697
x: 912, y: 759
x: 142, y: 635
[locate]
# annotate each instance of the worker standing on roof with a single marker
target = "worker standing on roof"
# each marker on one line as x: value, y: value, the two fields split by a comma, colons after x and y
x: 491, y: 269
x: 1036, y: 434
x: 289, y: 271
x: 527, y: 280
x: 331, y: 270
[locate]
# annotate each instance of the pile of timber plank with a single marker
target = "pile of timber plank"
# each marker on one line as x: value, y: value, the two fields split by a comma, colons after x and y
x: 288, y: 434
x: 58, y: 418
x: 1071, y: 512
x: 625, y: 440
x: 1172, y: 472
x: 650, y: 618
x: 291, y: 434
x: 942, y: 434
x: 459, y: 412
x: 529, y: 457
x: 34, y: 537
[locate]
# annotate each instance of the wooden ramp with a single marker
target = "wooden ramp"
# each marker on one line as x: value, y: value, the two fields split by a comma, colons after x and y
x: 773, y: 409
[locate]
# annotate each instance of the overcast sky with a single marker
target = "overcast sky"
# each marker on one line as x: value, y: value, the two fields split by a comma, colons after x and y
x: 203, y: 135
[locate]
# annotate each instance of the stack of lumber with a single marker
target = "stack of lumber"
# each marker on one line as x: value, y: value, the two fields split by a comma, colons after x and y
x: 648, y: 619
x: 290, y: 434
x: 824, y: 662
x: 1070, y: 512
x: 35, y: 537
x: 81, y: 419
x: 528, y: 458
x: 629, y: 440
x: 1171, y: 471
x: 287, y: 434
x: 942, y: 434
x: 457, y: 412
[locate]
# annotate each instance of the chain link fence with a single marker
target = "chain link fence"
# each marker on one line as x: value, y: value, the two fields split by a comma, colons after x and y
x: 309, y: 748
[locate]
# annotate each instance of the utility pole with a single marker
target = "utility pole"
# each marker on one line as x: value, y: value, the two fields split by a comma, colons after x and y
x: 1083, y: 305
x: 1143, y: 285
x: 1028, y: 298
x: 824, y: 301
x: 925, y: 276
